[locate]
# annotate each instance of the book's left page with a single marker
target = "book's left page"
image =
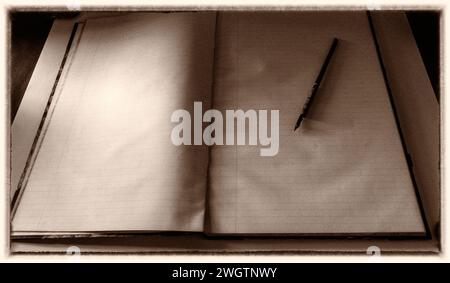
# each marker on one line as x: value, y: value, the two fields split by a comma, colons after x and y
x: 105, y: 161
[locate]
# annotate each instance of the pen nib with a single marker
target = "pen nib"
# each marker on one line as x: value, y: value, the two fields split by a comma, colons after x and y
x: 299, y: 122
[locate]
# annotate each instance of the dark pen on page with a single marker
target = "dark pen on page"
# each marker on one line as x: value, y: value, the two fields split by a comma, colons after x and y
x: 316, y: 85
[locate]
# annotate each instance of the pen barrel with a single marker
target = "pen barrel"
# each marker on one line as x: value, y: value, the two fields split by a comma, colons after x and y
x: 309, y: 99
x: 316, y: 84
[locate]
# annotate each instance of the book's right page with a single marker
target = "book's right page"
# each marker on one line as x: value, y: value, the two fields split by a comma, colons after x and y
x: 344, y: 171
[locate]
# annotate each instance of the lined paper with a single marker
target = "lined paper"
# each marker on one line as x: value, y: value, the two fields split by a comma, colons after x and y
x: 106, y: 162
x: 344, y: 170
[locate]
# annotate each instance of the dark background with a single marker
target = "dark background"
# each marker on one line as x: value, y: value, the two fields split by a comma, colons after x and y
x: 29, y: 31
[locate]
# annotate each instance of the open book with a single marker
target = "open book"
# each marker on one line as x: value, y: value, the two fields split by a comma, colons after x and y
x: 104, y: 162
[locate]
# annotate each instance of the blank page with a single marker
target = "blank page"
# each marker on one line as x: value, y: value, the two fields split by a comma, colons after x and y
x: 106, y: 162
x: 344, y: 170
